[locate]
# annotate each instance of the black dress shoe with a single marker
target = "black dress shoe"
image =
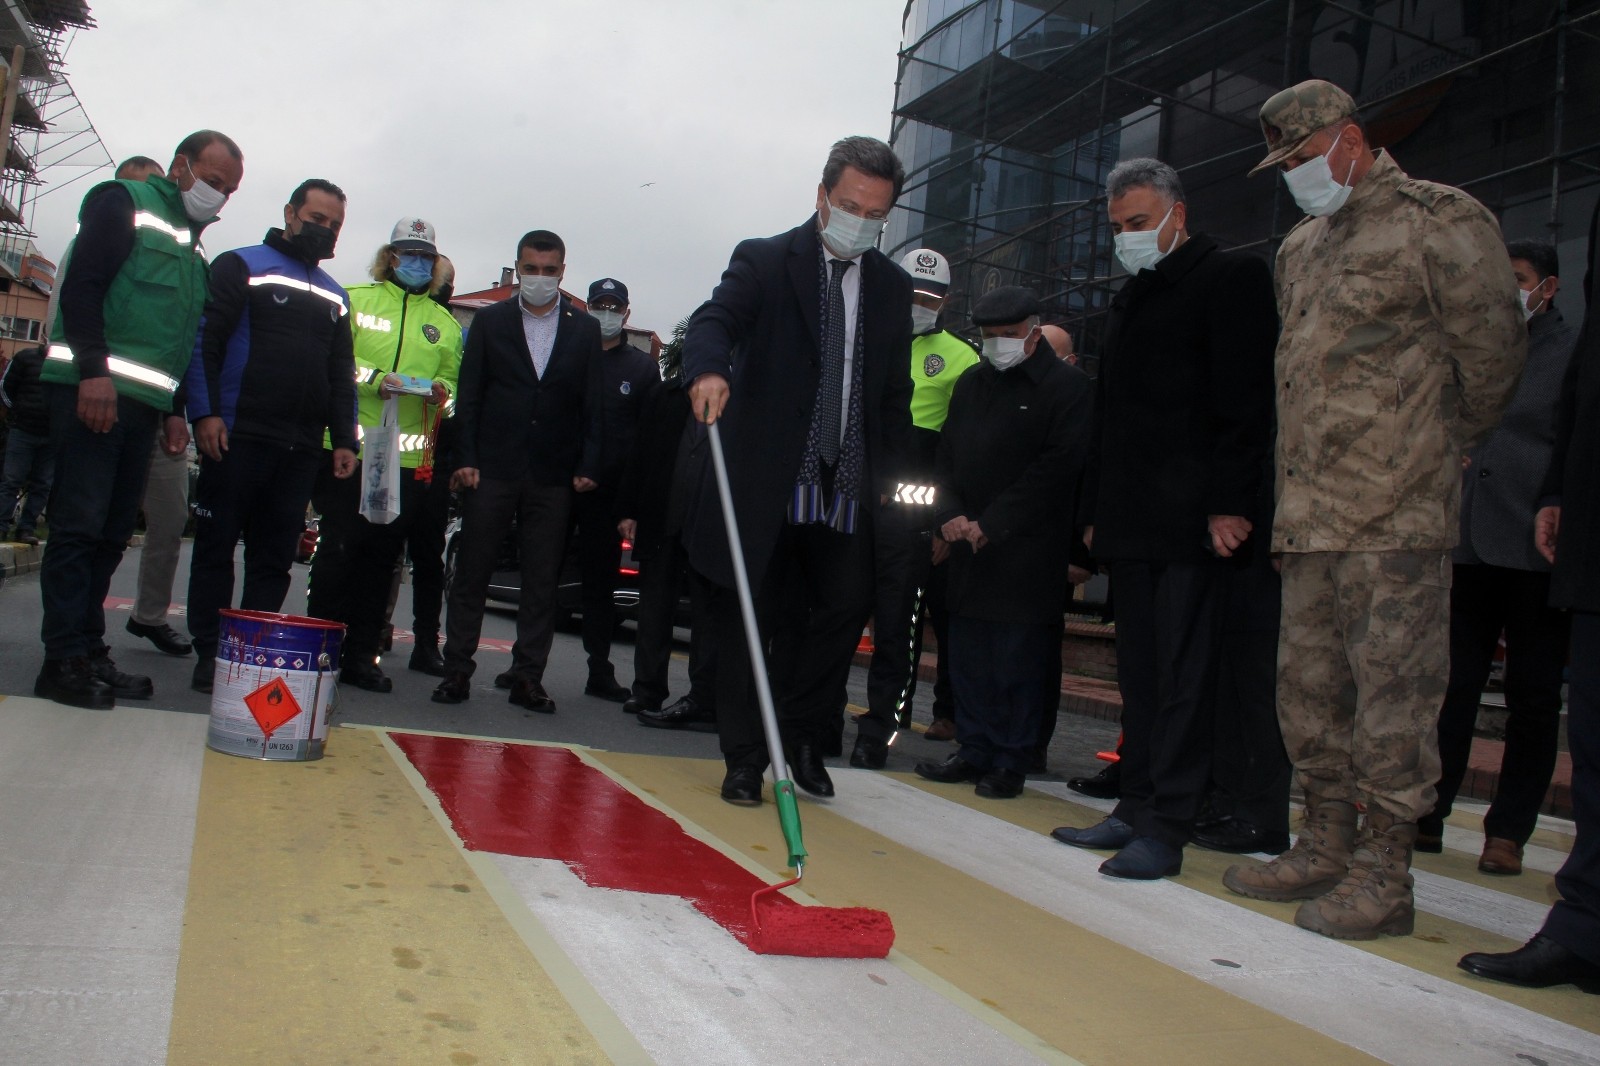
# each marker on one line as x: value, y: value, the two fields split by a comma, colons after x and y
x: 125, y: 686
x: 205, y: 672
x: 606, y: 688
x: 531, y: 694
x: 805, y: 763
x: 1108, y: 834
x: 685, y: 714
x: 1144, y: 859
x: 869, y: 753
x: 742, y: 786
x: 455, y: 688
x: 1000, y: 784
x: 425, y: 659
x: 1540, y: 963
x: 506, y: 678
x: 1106, y: 785
x: 365, y: 675
x: 1240, y: 837
x: 952, y: 771
x: 70, y: 681
x: 633, y: 705
x: 163, y: 636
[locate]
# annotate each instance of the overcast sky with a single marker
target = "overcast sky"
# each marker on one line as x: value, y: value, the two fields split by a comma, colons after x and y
x: 652, y: 135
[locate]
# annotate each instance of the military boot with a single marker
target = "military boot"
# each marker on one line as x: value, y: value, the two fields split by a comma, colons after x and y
x: 1317, y: 862
x: 1375, y: 897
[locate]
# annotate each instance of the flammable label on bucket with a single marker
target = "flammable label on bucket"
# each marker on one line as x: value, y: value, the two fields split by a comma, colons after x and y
x: 256, y: 673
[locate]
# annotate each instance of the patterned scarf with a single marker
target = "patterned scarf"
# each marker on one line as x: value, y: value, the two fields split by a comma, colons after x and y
x: 842, y: 509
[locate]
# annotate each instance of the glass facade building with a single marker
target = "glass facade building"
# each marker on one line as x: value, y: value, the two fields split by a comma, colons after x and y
x: 1010, y: 113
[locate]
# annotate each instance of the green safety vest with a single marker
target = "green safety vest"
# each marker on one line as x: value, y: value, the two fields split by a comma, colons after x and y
x: 152, y: 309
x: 937, y: 360
x: 400, y: 333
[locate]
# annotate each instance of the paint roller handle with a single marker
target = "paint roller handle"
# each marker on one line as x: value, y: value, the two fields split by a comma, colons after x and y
x: 758, y: 663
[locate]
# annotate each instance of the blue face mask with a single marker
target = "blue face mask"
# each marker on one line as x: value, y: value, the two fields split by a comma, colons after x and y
x: 414, y: 272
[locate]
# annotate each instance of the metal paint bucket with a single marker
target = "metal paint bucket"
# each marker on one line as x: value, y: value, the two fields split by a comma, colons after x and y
x: 274, y: 687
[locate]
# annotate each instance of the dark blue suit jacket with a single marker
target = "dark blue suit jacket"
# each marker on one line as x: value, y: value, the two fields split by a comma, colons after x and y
x: 513, y: 424
x: 761, y: 330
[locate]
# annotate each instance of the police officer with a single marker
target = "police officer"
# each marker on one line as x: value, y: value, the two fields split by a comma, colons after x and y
x: 910, y: 583
x: 400, y: 332
x: 630, y: 377
x: 131, y: 298
x: 1402, y: 343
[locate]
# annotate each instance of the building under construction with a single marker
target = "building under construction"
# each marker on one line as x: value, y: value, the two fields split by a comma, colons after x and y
x: 1010, y: 113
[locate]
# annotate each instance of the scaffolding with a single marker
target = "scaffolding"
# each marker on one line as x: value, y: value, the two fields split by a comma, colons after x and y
x: 1010, y: 113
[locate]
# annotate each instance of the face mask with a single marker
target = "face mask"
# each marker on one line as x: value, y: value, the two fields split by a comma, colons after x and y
x: 539, y: 289
x: 847, y: 235
x: 414, y: 273
x: 923, y: 319
x: 1142, y: 251
x: 1004, y: 353
x: 200, y: 201
x: 1529, y: 305
x: 316, y: 241
x: 610, y: 323
x: 1313, y: 186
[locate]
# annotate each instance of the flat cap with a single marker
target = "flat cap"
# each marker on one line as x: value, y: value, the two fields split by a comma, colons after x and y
x: 1005, y: 305
x: 1293, y: 116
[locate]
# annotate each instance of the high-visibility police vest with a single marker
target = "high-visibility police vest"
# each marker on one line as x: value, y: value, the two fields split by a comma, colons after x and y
x: 401, y: 333
x: 937, y: 360
x: 152, y: 308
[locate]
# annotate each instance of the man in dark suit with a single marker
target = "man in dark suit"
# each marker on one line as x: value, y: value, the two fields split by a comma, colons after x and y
x: 1567, y: 532
x: 1500, y: 582
x: 1009, y: 460
x: 1183, y: 419
x: 800, y: 356
x: 527, y: 440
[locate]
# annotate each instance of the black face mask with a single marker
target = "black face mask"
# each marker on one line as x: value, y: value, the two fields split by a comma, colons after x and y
x: 315, y: 241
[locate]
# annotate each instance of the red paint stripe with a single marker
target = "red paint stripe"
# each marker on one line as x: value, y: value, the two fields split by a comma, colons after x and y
x: 546, y: 803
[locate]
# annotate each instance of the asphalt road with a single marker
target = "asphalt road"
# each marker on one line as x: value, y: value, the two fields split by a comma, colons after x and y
x: 578, y: 719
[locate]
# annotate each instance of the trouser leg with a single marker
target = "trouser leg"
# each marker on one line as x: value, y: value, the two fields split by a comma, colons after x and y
x: 1477, y: 615
x: 1535, y: 636
x: 1574, y: 921
x: 599, y: 555
x: 337, y: 502
x: 277, y: 508
x: 487, y: 514
x: 166, y: 512
x: 543, y: 518
x: 95, y: 505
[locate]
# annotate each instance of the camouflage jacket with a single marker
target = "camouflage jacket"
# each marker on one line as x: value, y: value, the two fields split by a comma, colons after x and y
x: 1402, y: 342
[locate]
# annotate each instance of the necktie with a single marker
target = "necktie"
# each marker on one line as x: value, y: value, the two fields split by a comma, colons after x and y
x: 832, y: 397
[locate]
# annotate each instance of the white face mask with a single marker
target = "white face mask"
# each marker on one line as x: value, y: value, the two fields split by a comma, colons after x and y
x: 1529, y: 304
x: 923, y: 319
x: 1314, y: 187
x: 1004, y: 353
x: 847, y: 235
x: 610, y: 322
x: 1142, y: 250
x: 200, y: 201
x: 539, y: 289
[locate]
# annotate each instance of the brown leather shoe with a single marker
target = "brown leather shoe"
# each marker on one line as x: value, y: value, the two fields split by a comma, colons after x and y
x: 1501, y: 856
x: 941, y: 729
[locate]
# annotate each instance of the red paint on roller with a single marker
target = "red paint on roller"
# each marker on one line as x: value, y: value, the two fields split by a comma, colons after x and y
x: 546, y: 803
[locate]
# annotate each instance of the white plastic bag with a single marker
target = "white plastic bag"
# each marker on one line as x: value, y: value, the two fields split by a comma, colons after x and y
x: 380, y: 467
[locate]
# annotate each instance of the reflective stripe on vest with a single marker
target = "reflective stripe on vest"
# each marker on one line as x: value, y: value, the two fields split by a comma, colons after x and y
x: 123, y: 368
x: 303, y: 286
x: 147, y: 220
x: 409, y: 442
x: 365, y: 374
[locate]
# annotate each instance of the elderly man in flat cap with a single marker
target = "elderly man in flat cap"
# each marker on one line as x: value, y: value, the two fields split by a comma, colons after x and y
x: 1009, y: 461
x: 1402, y: 341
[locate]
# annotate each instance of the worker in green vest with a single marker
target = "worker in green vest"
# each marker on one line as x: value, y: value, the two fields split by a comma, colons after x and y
x: 131, y: 295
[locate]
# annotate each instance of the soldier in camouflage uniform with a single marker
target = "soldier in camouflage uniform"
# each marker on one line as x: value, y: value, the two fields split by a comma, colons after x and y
x: 1402, y: 342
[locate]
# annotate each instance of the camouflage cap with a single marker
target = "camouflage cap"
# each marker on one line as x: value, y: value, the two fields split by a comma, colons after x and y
x: 1293, y: 116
